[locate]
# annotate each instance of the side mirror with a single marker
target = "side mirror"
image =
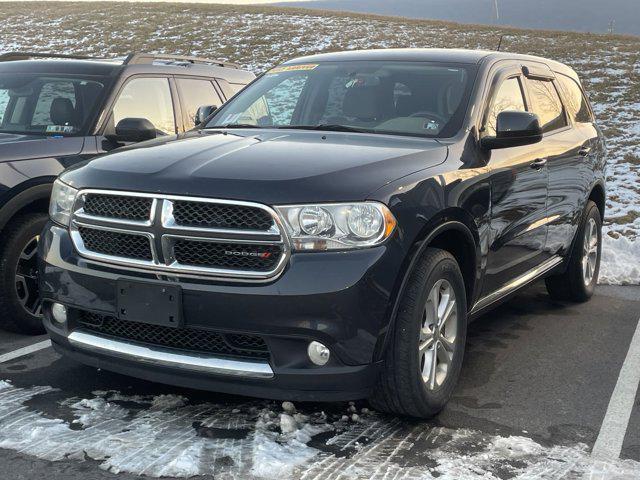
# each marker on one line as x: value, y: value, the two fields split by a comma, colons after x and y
x: 514, y: 129
x: 203, y: 113
x: 135, y: 130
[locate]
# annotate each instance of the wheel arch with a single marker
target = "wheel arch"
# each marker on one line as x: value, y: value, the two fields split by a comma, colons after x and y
x: 454, y: 231
x: 28, y: 198
x: 598, y: 196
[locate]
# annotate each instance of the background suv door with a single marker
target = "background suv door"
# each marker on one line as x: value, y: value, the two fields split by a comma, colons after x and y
x: 150, y: 97
x: 518, y: 192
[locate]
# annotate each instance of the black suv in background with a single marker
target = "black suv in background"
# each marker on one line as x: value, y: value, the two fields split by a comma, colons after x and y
x: 56, y: 110
x: 331, y: 230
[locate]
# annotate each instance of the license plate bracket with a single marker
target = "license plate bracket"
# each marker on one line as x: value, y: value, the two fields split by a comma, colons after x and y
x: 150, y: 303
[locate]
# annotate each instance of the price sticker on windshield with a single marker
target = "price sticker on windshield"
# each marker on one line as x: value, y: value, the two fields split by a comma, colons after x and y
x: 293, y: 68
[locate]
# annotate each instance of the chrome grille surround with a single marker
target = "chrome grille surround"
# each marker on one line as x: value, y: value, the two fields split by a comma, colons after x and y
x: 163, y: 232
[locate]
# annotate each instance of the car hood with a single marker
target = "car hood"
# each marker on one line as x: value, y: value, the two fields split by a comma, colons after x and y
x: 24, y: 147
x: 269, y: 166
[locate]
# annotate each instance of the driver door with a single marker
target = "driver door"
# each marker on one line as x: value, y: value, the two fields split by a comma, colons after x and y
x: 519, y: 184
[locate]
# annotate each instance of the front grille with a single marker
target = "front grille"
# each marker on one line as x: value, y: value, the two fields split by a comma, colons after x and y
x: 232, y: 256
x: 185, y: 339
x: 118, y: 206
x: 219, y: 215
x: 188, y: 235
x: 118, y: 244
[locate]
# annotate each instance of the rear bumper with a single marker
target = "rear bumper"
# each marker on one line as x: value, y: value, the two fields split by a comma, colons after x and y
x: 341, y: 299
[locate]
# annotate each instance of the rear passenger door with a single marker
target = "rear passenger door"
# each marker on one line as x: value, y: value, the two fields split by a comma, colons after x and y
x: 195, y: 93
x: 563, y: 144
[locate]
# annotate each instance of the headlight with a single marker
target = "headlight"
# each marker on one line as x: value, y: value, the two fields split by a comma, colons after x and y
x: 62, y: 198
x: 337, y: 226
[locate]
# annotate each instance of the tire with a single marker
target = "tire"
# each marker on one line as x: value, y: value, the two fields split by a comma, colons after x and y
x: 401, y: 388
x: 20, y: 306
x: 574, y: 284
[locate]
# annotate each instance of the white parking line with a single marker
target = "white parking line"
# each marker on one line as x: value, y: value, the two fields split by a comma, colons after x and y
x: 616, y: 420
x: 25, y: 351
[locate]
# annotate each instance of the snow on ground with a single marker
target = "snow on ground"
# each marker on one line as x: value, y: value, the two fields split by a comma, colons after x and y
x: 166, y: 435
x: 258, y: 38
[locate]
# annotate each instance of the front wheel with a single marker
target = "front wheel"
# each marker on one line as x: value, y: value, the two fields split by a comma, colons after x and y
x: 579, y: 281
x: 20, y: 304
x: 423, y: 361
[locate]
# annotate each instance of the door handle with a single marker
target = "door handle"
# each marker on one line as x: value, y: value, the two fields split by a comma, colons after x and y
x: 538, y: 164
x: 585, y: 151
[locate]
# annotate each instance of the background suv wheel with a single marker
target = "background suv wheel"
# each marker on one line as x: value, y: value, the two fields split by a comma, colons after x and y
x: 423, y: 361
x: 20, y: 306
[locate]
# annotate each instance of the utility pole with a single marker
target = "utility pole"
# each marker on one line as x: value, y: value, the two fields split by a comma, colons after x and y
x: 612, y: 27
x: 495, y: 7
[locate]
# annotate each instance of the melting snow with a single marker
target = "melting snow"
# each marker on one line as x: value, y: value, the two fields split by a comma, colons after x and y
x: 166, y: 435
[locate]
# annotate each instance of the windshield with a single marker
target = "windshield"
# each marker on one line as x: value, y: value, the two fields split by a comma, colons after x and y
x: 39, y: 104
x: 402, y: 98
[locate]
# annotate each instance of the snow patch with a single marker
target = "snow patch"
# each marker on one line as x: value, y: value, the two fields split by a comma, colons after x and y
x: 620, y: 263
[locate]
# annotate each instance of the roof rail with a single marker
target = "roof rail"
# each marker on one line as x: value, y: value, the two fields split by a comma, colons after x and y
x: 11, y: 56
x: 150, y: 58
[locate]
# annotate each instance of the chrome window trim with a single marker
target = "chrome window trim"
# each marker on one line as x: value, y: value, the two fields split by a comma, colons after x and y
x: 162, y: 232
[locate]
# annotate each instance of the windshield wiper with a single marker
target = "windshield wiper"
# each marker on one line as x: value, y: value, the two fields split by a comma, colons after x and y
x: 236, y: 125
x: 328, y: 127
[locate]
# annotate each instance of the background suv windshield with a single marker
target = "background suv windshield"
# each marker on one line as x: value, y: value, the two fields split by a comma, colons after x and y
x: 405, y: 98
x: 38, y: 104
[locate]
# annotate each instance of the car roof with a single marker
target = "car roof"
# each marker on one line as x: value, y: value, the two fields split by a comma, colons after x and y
x: 440, y: 55
x: 113, y: 67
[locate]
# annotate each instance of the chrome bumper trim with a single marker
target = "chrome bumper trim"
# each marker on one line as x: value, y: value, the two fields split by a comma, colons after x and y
x: 167, y: 358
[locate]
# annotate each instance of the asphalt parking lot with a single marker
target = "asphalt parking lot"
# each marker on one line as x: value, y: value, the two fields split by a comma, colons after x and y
x: 536, y: 387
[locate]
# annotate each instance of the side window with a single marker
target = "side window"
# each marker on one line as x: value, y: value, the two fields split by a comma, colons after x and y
x: 64, y: 95
x: 546, y: 103
x: 508, y: 98
x: 148, y: 98
x: 195, y: 94
x: 4, y: 103
x: 575, y: 101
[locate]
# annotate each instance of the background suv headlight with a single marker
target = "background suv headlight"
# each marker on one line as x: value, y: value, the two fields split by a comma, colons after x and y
x: 62, y: 199
x: 337, y: 226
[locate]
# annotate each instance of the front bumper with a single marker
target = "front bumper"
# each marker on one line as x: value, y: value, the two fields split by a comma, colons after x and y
x: 342, y: 299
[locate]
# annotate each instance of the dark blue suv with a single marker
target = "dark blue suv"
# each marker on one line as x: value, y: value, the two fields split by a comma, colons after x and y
x: 57, y: 110
x: 330, y: 231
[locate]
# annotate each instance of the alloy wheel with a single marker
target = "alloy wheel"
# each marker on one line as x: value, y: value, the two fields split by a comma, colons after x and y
x: 26, y: 278
x: 438, y: 334
x: 590, y: 251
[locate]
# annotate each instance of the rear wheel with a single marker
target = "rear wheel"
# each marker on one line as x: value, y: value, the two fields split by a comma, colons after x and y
x: 579, y: 281
x: 20, y: 305
x: 423, y: 361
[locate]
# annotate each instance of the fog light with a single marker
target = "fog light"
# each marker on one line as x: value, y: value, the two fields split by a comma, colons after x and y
x: 59, y: 312
x: 318, y: 353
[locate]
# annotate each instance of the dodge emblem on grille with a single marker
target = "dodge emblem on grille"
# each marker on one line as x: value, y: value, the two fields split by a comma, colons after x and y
x: 263, y: 255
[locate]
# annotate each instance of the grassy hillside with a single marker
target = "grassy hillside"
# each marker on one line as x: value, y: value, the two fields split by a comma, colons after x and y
x: 259, y: 37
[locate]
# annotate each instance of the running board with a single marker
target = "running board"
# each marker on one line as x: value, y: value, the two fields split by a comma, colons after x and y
x: 516, y: 284
x: 164, y: 357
